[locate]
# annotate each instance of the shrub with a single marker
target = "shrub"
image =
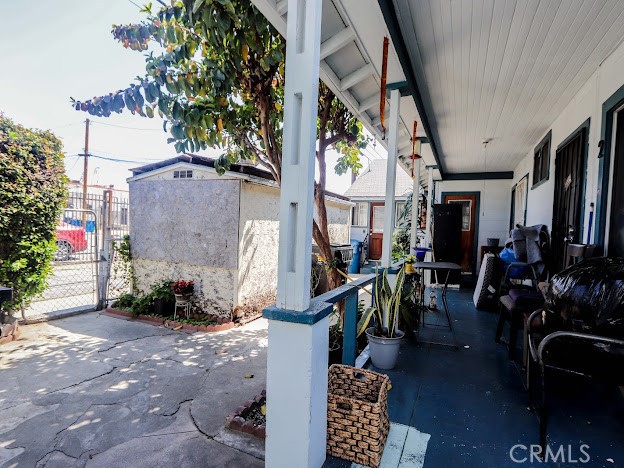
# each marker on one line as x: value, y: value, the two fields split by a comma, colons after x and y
x: 32, y: 196
x: 124, y: 301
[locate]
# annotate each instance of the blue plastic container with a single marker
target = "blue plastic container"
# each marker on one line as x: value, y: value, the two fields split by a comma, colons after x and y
x: 354, y: 266
x: 421, y: 252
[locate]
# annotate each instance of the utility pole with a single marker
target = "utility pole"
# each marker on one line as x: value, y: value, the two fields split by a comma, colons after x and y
x: 84, y: 173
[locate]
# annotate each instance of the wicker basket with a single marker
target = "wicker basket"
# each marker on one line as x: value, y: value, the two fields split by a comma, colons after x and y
x: 357, y: 414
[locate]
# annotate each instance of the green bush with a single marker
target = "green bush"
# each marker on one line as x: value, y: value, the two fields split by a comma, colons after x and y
x: 32, y: 197
x: 124, y: 301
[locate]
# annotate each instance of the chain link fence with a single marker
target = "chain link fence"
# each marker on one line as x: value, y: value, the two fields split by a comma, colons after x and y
x: 87, y: 269
x: 72, y: 285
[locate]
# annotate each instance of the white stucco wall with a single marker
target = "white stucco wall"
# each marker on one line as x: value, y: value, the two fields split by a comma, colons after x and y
x: 586, y: 104
x: 222, y: 232
x: 339, y: 221
x: 258, y: 241
x: 187, y: 229
x: 259, y: 237
x: 215, y: 288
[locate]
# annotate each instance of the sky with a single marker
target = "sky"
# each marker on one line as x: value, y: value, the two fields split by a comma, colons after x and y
x: 53, y: 50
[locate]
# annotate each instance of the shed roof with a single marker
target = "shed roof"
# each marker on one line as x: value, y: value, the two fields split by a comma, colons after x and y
x: 372, y: 183
x: 244, y: 169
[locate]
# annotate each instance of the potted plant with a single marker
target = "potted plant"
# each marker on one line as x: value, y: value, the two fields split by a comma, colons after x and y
x: 183, y: 290
x: 409, y: 264
x: 163, y: 298
x: 384, y: 338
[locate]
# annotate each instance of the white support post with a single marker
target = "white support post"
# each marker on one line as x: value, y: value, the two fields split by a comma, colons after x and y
x: 298, y: 154
x: 415, y: 206
x: 430, y: 191
x: 389, y: 215
x: 297, y: 357
x: 429, y: 202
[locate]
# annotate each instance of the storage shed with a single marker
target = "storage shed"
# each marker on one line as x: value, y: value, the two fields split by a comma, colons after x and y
x: 188, y: 222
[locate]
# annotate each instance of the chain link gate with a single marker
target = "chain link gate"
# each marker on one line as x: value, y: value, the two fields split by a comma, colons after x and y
x: 73, y: 282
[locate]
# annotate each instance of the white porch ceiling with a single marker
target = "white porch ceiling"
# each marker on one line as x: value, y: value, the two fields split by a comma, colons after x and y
x: 502, y: 69
x: 351, y: 55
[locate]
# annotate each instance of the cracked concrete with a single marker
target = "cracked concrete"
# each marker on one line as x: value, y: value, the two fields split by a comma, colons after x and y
x: 92, y: 390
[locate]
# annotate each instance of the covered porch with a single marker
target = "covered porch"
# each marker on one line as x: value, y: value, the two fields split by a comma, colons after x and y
x: 498, y: 91
x: 473, y: 403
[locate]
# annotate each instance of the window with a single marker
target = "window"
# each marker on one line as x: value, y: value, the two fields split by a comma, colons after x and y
x: 124, y: 216
x: 359, y: 215
x: 378, y: 218
x: 466, y: 212
x: 398, y: 221
x: 541, y: 160
x: 182, y: 174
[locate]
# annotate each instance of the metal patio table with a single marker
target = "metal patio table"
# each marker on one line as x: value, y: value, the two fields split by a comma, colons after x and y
x: 437, y: 266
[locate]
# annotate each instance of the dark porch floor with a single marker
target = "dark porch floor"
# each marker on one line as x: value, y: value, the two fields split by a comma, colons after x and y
x: 473, y: 403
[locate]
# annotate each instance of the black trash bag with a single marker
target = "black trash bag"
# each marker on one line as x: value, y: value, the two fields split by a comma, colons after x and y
x: 589, y: 297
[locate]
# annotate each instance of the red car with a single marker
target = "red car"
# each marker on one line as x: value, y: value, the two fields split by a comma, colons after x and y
x: 69, y: 239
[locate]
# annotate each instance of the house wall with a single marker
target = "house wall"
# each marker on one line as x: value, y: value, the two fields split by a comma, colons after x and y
x: 586, y: 104
x: 494, y: 206
x: 187, y: 229
x: 259, y: 238
x: 360, y: 232
x: 339, y: 221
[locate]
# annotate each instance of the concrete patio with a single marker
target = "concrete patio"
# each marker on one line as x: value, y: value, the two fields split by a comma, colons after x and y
x: 92, y: 390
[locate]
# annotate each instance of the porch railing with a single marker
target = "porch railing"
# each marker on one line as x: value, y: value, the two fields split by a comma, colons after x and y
x: 350, y: 292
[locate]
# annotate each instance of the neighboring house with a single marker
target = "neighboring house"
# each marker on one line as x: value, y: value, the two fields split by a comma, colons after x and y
x: 368, y: 192
x: 188, y: 222
x: 119, y: 209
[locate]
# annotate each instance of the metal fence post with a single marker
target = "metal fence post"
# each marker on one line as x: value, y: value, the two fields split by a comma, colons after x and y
x: 103, y: 269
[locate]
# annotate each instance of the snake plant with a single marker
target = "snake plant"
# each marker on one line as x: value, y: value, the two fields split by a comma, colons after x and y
x: 387, y: 306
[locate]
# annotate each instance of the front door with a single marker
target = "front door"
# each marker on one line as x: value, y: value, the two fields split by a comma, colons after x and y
x: 616, y: 225
x: 376, y: 230
x: 568, y: 203
x: 469, y: 209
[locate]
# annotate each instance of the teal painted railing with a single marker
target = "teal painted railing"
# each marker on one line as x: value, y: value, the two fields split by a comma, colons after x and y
x: 349, y: 292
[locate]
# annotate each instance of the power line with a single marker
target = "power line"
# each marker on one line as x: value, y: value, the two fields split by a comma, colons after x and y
x: 127, y: 156
x: 138, y: 6
x: 105, y: 158
x: 128, y: 128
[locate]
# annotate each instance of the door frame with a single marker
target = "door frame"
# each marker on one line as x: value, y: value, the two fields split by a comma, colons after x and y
x: 584, y: 126
x: 609, y: 108
x: 371, y: 210
x: 475, y: 242
x: 580, y: 218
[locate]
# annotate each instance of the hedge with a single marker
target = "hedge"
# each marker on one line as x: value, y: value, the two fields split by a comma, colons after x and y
x: 33, y: 192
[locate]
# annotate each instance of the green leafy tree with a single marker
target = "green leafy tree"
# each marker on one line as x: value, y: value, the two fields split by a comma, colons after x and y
x: 32, y: 196
x: 215, y: 74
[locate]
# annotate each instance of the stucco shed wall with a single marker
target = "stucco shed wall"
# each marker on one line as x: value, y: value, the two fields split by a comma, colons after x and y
x: 187, y: 229
x: 259, y: 238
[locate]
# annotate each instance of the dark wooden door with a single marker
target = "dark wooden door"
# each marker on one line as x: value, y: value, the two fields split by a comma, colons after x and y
x: 616, y: 225
x: 376, y: 230
x: 567, y: 223
x: 468, y: 202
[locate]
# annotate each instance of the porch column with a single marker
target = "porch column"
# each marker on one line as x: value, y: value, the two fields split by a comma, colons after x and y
x: 428, y: 255
x: 389, y: 215
x: 415, y: 202
x: 429, y: 202
x: 298, y: 335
